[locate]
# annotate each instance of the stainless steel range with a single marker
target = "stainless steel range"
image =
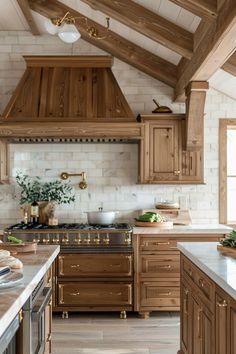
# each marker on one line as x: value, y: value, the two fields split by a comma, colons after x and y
x: 76, y: 237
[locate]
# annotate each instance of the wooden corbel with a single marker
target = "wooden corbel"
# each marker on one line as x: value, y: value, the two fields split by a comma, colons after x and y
x: 195, y: 103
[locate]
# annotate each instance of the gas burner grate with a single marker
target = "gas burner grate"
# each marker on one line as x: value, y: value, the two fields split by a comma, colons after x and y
x: 70, y: 226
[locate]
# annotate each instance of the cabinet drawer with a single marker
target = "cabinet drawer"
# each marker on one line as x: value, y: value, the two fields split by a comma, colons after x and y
x: 160, y: 266
x: 94, y: 294
x: 103, y: 265
x: 201, y: 280
x: 157, y: 244
x: 153, y: 295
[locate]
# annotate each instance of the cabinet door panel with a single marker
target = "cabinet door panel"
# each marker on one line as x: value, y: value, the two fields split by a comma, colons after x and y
x: 164, y: 151
x: 221, y: 313
x: 185, y: 309
x: 196, y: 328
x: 191, y: 166
x: 207, y: 335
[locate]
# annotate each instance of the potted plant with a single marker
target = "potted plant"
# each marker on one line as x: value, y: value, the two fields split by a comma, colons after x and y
x: 47, y: 194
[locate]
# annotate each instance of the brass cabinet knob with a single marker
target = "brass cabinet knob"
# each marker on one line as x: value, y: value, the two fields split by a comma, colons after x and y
x: 222, y: 303
x: 177, y: 172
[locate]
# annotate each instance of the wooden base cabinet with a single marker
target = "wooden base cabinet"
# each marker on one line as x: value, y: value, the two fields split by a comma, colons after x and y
x: 157, y: 275
x: 207, y: 327
x: 94, y: 282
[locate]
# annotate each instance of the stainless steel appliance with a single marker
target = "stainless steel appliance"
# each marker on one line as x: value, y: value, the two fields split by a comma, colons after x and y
x: 77, y: 237
x: 8, y: 339
x: 33, y: 324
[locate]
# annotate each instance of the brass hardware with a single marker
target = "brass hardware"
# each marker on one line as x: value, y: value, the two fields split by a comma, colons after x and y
x: 165, y: 294
x: 201, y: 282
x: 75, y: 294
x: 123, y: 315
x: 78, y: 239
x: 199, y: 323
x: 186, y: 301
x: 49, y: 338
x: 177, y: 172
x: 222, y: 303
x: 82, y: 184
x: 173, y: 248
x: 87, y: 240
x: 71, y: 20
x: 21, y: 315
x: 106, y: 239
x: 65, y: 314
x: 162, y: 243
x: 97, y: 239
x: 118, y: 294
x: 114, y: 265
x: 164, y: 266
x: 65, y: 239
x: 75, y: 266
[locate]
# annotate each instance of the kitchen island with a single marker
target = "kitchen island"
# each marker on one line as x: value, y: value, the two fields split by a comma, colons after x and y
x: 35, y: 266
x: 208, y: 299
x: 157, y: 263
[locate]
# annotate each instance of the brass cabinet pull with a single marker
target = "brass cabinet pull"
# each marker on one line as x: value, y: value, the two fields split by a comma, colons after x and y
x: 174, y: 248
x: 190, y: 272
x: 186, y: 301
x: 177, y: 172
x: 222, y: 303
x: 164, y: 266
x: 75, y: 294
x: 199, y: 321
x: 111, y: 293
x: 75, y: 266
x: 115, y: 265
x: 49, y: 338
x: 201, y: 282
x: 162, y: 243
x: 21, y: 315
x: 165, y: 294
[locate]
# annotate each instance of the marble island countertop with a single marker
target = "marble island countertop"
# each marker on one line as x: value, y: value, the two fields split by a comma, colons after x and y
x: 182, y: 229
x: 220, y: 268
x: 35, y: 267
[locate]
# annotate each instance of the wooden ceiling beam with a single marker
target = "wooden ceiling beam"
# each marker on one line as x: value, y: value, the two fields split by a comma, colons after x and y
x: 230, y: 65
x: 206, y: 9
x: 24, y: 6
x: 114, y: 44
x: 214, y: 49
x: 147, y: 23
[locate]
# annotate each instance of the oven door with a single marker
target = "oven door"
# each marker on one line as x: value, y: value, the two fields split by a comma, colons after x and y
x: 38, y: 321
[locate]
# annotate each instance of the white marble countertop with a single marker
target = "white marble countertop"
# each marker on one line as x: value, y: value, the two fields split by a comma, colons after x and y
x: 35, y: 266
x: 220, y: 268
x: 181, y: 229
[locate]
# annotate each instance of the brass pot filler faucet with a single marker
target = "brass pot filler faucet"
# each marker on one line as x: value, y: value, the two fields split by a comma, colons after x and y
x: 82, y: 184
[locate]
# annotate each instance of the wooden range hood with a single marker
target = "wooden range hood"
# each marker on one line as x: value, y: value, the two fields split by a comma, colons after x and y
x: 68, y: 97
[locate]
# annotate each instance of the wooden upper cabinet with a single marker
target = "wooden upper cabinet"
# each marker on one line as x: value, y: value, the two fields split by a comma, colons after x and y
x: 163, y: 157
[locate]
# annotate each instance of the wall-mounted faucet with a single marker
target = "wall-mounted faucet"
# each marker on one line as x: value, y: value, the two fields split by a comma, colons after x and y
x: 82, y: 184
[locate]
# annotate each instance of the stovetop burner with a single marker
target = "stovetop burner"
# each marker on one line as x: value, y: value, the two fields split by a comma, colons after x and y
x: 70, y: 226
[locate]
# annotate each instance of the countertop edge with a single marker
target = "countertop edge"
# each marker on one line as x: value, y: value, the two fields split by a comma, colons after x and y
x: 12, y: 311
x: 212, y: 275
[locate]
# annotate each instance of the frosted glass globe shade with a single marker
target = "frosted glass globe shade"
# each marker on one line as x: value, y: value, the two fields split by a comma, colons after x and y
x: 50, y: 27
x: 68, y: 33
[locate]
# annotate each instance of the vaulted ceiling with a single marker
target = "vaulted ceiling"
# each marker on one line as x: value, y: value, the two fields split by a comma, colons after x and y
x: 175, y: 41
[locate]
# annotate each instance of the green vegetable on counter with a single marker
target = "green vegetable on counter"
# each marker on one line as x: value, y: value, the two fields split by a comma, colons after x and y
x: 230, y: 240
x: 150, y: 217
x: 14, y: 240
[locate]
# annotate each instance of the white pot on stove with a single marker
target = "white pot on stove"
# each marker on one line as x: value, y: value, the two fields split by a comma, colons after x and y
x: 101, y: 217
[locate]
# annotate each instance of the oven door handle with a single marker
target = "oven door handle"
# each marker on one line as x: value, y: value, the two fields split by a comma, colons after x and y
x: 37, y: 310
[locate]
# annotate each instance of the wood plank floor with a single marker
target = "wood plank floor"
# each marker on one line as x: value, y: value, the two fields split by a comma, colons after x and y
x: 105, y: 333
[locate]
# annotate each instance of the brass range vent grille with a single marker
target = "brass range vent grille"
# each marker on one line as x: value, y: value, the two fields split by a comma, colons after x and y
x: 72, y: 140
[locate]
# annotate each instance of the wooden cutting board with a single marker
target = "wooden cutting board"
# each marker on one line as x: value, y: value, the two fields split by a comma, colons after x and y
x: 162, y: 225
x: 21, y: 248
x: 230, y: 251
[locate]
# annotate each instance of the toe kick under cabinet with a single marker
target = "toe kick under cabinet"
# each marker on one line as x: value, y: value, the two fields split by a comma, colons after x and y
x: 157, y: 270
x: 94, y: 282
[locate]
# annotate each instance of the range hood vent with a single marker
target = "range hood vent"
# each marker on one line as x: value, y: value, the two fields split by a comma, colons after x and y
x: 73, y: 140
x: 68, y: 89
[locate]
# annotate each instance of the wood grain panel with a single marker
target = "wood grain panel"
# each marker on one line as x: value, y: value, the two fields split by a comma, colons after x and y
x: 112, y: 43
x: 206, y: 9
x: 147, y: 23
